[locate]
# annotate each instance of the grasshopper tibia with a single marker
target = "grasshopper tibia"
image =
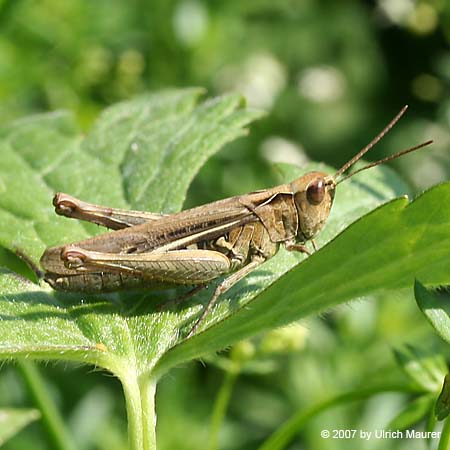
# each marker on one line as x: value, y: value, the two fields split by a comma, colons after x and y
x: 223, y: 287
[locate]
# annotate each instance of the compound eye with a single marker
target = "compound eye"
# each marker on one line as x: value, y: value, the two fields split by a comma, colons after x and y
x: 315, y: 192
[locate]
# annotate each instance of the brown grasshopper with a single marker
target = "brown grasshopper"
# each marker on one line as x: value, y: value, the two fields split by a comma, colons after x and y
x: 228, y: 237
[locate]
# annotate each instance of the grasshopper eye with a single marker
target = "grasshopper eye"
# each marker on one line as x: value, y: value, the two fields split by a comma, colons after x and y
x: 315, y: 192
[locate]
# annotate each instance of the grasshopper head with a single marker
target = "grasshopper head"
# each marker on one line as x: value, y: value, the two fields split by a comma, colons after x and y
x: 314, y: 192
x: 313, y: 196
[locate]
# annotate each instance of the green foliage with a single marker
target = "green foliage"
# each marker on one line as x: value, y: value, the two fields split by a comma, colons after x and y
x: 12, y: 420
x: 425, y: 370
x: 442, y: 408
x: 294, y: 425
x: 95, y: 330
x: 413, y: 413
x: 131, y: 340
x: 156, y: 143
x: 329, y: 75
x: 435, y: 306
x: 128, y: 334
x: 376, y: 237
x: 51, y: 420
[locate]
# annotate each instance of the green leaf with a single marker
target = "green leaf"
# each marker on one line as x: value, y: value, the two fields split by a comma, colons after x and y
x: 442, y: 407
x: 425, y: 369
x: 434, y: 303
x: 383, y: 251
x: 414, y: 412
x: 12, y: 420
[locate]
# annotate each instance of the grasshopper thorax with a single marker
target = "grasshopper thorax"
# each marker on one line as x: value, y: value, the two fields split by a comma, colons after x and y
x: 313, y: 197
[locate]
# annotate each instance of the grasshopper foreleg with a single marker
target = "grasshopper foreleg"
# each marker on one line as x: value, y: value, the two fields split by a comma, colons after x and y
x: 294, y: 247
x: 115, y: 219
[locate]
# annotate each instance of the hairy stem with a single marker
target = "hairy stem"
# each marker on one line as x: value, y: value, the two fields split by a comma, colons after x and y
x: 140, y: 403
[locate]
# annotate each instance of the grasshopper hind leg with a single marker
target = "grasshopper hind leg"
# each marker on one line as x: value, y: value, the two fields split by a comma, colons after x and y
x: 112, y: 218
x: 175, y: 267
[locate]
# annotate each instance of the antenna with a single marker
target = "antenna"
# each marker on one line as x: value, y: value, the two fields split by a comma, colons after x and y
x: 380, y: 136
x: 388, y: 158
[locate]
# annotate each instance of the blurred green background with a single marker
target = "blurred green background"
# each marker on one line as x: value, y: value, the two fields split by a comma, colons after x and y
x: 330, y: 75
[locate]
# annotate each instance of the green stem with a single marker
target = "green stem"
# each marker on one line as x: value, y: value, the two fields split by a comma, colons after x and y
x: 220, y: 407
x: 444, y: 441
x: 51, y: 419
x: 281, y: 437
x: 148, y: 390
x: 140, y: 403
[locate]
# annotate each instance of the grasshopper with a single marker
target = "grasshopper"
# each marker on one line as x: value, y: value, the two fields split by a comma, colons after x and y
x: 229, y: 237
